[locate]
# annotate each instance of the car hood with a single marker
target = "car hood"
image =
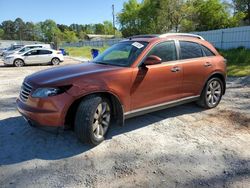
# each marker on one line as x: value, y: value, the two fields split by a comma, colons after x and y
x: 64, y: 74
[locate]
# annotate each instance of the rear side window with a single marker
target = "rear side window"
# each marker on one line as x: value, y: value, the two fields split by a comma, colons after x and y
x: 43, y: 52
x: 190, y: 50
x: 166, y: 51
x: 207, y: 51
x: 33, y: 52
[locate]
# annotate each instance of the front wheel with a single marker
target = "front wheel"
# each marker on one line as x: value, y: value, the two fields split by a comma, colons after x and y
x: 18, y: 63
x: 93, y: 119
x: 211, y: 94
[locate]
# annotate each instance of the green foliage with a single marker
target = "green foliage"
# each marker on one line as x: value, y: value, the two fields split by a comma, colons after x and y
x: 238, y: 61
x: 49, y: 31
x: 83, y: 51
x: 69, y: 36
x: 1, y: 33
x: 243, y: 6
x: 160, y: 16
x: 129, y: 18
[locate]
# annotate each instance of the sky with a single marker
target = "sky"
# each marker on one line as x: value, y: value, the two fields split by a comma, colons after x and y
x: 61, y: 11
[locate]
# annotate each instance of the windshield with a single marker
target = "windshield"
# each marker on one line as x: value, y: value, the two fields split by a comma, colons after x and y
x: 121, y: 54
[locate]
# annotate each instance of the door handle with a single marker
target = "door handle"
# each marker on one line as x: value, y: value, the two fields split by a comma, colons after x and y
x: 175, y: 69
x: 207, y: 64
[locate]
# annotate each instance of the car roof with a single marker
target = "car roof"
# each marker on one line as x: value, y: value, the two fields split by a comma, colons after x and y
x: 150, y: 37
x: 35, y: 45
x: 39, y: 49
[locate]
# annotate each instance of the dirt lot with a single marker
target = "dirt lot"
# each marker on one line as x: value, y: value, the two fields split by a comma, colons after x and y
x: 184, y: 146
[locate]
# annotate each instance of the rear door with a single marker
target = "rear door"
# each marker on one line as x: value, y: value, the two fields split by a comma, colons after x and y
x: 194, y: 67
x: 44, y: 56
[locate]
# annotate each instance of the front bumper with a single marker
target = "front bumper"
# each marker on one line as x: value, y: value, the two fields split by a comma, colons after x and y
x: 45, y: 112
x: 8, y: 61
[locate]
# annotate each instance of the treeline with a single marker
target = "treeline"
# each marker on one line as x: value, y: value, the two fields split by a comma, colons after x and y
x: 160, y: 16
x: 49, y: 31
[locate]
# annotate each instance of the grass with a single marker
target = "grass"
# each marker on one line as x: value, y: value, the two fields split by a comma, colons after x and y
x: 82, y: 51
x: 238, y: 59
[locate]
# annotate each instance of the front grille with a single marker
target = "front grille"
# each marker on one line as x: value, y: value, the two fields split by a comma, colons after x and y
x: 25, y: 92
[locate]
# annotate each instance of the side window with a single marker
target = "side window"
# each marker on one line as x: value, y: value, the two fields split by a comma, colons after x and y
x: 30, y: 53
x: 166, y: 51
x: 190, y: 50
x: 43, y: 52
x: 207, y: 51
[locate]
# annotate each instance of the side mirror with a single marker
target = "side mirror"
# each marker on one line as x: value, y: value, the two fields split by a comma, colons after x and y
x: 152, y: 60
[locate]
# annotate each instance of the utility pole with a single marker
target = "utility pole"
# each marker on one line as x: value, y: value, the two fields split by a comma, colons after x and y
x: 113, y: 13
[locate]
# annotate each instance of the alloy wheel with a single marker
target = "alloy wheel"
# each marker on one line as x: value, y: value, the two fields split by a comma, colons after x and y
x: 18, y: 63
x: 55, y: 61
x: 214, y: 91
x: 101, y: 120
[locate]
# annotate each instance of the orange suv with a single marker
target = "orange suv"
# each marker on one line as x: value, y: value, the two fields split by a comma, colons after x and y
x: 135, y: 76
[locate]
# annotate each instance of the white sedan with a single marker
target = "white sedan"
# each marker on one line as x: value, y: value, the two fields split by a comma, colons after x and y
x: 35, y: 56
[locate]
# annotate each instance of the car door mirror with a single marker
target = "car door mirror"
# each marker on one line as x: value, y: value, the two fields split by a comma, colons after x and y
x: 152, y: 60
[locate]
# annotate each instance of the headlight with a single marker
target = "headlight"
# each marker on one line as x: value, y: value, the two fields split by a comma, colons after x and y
x: 46, y: 92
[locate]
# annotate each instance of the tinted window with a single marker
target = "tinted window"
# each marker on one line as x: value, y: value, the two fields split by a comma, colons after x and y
x: 207, y: 51
x: 166, y: 51
x: 42, y: 52
x: 190, y: 50
x: 33, y: 52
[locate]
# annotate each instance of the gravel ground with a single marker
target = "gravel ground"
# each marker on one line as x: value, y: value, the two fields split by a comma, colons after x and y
x: 184, y: 146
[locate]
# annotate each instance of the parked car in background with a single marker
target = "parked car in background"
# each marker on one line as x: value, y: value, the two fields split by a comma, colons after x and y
x: 2, y: 50
x: 11, y: 48
x: 26, y: 48
x: 34, y: 56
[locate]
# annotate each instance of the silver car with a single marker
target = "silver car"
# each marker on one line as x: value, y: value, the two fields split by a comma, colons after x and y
x: 35, y: 56
x: 25, y: 48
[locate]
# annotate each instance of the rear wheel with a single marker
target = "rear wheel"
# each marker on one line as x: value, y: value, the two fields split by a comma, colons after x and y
x: 211, y: 94
x: 18, y: 63
x: 93, y: 119
x: 55, y: 61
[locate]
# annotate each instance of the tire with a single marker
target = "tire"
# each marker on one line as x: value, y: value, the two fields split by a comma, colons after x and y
x: 55, y: 61
x: 92, y: 121
x: 18, y: 63
x: 211, y: 94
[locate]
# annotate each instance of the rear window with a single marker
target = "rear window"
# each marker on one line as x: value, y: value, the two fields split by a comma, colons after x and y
x: 207, y: 51
x: 190, y: 50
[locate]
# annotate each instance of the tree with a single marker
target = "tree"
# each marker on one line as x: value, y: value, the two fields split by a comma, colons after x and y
x: 1, y: 33
x: 19, y: 28
x: 69, y: 36
x: 108, y: 28
x: 243, y: 6
x: 51, y: 32
x: 129, y: 18
x: 9, y: 30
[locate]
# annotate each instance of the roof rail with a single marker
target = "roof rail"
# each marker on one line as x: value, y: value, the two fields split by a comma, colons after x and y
x: 142, y: 36
x: 181, y: 34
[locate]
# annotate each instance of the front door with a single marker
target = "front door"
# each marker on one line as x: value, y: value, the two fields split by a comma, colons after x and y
x: 31, y: 57
x: 156, y: 84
